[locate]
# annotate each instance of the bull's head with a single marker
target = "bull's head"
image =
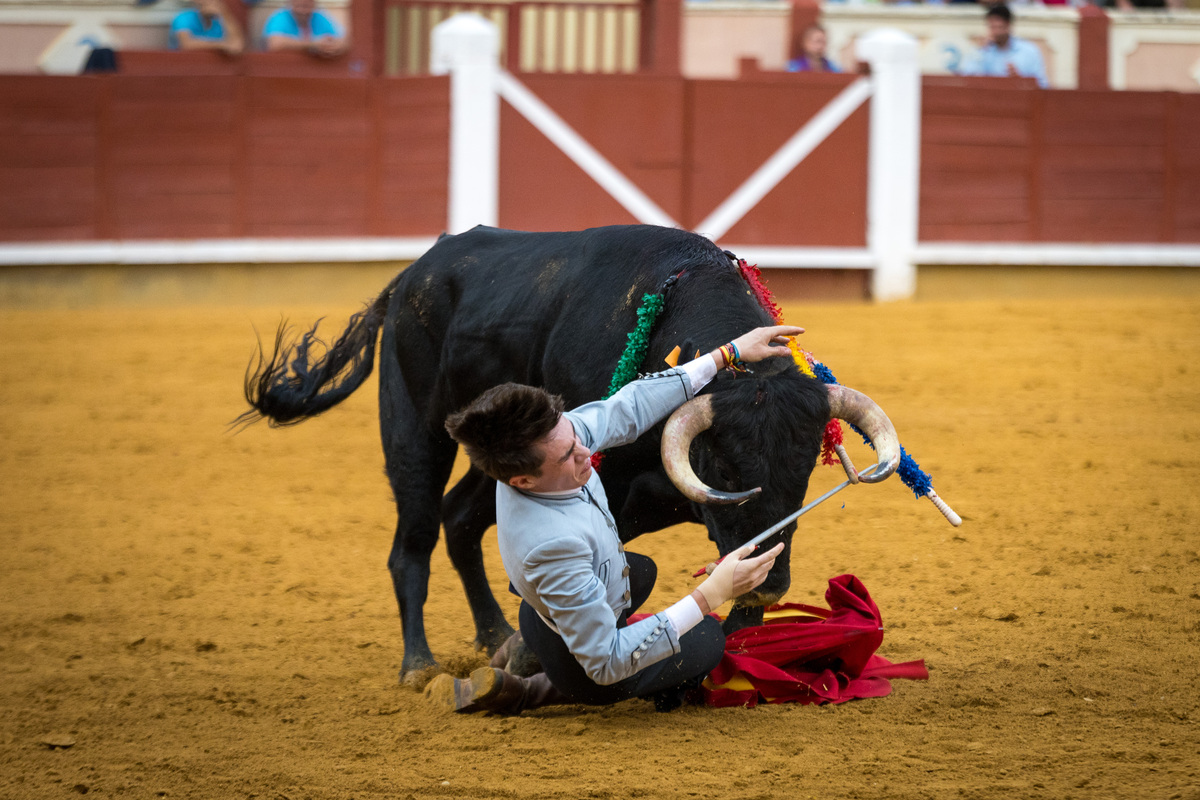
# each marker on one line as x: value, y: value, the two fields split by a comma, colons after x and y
x: 763, y: 432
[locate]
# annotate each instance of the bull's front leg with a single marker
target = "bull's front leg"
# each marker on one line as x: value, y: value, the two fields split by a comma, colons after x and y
x: 742, y: 617
x: 467, y: 512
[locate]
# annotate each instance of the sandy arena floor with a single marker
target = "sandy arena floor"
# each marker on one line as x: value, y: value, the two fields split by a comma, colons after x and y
x: 209, y: 615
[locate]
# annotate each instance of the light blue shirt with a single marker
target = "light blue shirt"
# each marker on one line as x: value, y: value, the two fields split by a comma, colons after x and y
x: 193, y: 22
x: 1024, y: 55
x: 562, y: 552
x: 283, y: 23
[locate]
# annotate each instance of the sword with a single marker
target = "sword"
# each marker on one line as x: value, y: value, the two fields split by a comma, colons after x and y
x: 783, y: 523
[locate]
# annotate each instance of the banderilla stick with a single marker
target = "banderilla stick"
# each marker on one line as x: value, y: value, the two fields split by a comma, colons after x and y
x: 938, y: 503
x: 783, y: 523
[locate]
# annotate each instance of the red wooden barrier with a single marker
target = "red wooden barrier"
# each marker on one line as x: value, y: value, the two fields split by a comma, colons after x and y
x: 49, y: 170
x: 221, y: 156
x: 688, y: 145
x: 206, y: 62
x: 636, y: 122
x: 1023, y: 165
x: 737, y: 125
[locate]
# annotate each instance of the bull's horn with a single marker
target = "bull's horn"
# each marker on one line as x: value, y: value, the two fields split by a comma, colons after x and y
x: 687, y: 421
x: 862, y: 412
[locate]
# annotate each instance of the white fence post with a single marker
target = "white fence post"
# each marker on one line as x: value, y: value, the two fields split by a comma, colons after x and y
x: 467, y: 46
x: 894, y: 160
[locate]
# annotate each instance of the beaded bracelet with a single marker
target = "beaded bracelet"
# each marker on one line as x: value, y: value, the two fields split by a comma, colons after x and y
x: 732, y: 357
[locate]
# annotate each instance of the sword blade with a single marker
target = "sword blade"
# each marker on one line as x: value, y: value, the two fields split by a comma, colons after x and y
x: 783, y: 523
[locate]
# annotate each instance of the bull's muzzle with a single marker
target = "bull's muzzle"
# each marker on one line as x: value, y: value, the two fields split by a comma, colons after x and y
x: 756, y: 599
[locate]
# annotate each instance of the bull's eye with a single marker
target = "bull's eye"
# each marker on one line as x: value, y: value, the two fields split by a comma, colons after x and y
x: 725, y: 472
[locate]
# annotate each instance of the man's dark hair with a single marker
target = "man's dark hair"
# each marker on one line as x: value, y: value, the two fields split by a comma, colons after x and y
x: 999, y: 10
x: 500, y: 428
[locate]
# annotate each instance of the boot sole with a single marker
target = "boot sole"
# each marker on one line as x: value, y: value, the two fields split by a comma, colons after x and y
x: 462, y: 695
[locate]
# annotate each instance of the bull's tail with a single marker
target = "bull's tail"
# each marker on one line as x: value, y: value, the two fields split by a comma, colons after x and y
x: 305, y: 377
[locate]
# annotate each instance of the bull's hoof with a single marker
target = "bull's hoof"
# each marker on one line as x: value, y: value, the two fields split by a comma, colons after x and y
x: 491, y: 640
x: 416, y: 679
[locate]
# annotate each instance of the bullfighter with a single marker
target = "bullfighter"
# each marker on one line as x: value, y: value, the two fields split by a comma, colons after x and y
x: 559, y: 544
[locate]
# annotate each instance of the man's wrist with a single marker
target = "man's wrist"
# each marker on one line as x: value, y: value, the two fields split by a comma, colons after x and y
x: 702, y: 601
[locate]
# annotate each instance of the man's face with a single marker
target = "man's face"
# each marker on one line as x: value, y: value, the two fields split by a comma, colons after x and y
x: 998, y: 30
x: 303, y: 8
x: 566, y: 463
x: 815, y: 43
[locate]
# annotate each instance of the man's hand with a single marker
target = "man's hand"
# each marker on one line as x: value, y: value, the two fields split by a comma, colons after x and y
x: 736, y: 575
x: 763, y: 343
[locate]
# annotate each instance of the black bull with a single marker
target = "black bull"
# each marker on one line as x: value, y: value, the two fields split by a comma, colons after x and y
x: 554, y: 310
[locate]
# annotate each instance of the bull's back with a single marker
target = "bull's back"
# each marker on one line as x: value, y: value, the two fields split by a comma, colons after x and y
x: 546, y: 309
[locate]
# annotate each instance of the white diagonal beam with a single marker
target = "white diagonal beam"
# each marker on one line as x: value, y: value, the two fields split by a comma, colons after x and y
x: 785, y: 159
x: 552, y: 126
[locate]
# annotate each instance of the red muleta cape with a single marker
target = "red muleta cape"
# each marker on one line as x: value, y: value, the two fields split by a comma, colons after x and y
x: 805, y: 654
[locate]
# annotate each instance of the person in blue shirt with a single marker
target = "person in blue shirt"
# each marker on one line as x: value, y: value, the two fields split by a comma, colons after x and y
x: 302, y: 27
x: 208, y: 26
x: 1005, y: 55
x: 813, y: 59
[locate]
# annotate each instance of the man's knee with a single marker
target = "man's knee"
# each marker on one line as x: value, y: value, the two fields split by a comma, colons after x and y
x: 705, y: 643
x: 643, y: 572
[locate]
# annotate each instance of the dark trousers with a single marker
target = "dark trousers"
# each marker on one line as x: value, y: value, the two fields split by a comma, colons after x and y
x: 700, y: 651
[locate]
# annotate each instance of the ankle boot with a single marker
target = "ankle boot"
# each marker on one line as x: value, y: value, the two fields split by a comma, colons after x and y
x: 492, y: 689
x: 515, y: 657
x: 540, y: 692
x: 500, y: 659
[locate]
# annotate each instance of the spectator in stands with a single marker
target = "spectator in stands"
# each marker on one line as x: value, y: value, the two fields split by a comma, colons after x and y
x: 208, y: 26
x: 301, y: 26
x: 813, y: 58
x: 1005, y: 55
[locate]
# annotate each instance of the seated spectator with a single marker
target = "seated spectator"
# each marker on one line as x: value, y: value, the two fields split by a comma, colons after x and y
x: 208, y: 26
x: 302, y: 27
x: 1005, y: 55
x: 813, y: 59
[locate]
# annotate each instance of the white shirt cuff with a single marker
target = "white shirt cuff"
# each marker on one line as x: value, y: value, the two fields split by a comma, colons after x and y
x: 685, y: 614
x: 700, y: 371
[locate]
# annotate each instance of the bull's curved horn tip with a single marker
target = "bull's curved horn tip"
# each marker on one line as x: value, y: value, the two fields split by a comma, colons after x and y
x: 880, y: 473
x: 727, y: 498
